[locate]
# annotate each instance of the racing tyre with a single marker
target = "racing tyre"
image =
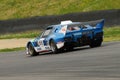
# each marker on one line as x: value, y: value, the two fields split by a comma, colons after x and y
x: 53, y: 47
x: 98, y: 43
x: 32, y: 51
x: 95, y: 43
x: 70, y: 48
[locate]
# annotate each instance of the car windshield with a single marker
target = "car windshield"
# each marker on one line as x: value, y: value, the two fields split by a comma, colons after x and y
x: 73, y: 27
x: 46, y: 32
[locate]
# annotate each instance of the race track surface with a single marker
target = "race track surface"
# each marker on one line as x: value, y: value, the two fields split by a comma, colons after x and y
x: 101, y: 63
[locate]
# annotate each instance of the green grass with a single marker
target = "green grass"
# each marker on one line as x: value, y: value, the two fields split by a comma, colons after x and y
x: 12, y: 49
x: 10, y: 9
x: 110, y: 34
x: 27, y: 34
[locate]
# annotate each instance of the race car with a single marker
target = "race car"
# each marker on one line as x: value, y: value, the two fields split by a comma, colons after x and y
x: 66, y: 36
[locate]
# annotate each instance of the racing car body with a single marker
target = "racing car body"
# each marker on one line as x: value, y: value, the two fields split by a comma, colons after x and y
x: 66, y: 36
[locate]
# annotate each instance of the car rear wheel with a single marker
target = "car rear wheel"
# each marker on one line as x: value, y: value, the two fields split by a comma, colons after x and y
x: 95, y: 43
x: 69, y: 48
x: 32, y: 51
x: 98, y: 43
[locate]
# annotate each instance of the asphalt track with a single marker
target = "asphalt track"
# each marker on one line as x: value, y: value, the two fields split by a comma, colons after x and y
x: 101, y: 63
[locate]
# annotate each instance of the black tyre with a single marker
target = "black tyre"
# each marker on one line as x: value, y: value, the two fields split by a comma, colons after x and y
x: 53, y: 47
x: 98, y: 43
x: 95, y: 43
x: 32, y: 51
x: 69, y: 48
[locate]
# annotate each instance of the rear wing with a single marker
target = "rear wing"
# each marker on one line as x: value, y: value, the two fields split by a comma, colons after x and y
x: 96, y: 23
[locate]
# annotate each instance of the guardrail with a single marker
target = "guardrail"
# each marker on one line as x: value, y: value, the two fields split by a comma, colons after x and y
x: 112, y: 17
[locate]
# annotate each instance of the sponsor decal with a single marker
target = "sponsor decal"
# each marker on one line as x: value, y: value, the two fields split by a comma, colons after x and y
x: 47, y: 48
x: 86, y: 32
x: 77, y: 34
x: 63, y: 29
x: 38, y: 48
x: 40, y: 42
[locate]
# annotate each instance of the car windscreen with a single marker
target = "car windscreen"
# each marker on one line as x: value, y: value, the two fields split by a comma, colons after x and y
x: 73, y: 27
x: 47, y: 32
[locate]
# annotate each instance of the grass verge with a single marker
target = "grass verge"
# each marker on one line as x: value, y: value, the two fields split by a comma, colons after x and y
x: 10, y: 9
x: 27, y: 34
x: 13, y: 49
x: 112, y: 33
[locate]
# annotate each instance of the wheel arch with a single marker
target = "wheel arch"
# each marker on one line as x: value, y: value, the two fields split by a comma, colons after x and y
x: 29, y: 44
x: 50, y: 40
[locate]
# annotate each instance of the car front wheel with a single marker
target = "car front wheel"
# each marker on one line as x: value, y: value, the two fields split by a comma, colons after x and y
x: 32, y: 51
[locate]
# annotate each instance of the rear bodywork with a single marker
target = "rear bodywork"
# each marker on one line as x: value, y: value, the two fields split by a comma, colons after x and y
x: 67, y: 34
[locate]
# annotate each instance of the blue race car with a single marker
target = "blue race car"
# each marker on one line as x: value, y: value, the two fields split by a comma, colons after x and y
x: 66, y: 36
